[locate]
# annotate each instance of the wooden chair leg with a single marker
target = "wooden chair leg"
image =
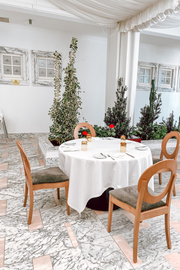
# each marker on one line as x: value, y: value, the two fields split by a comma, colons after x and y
x: 68, y: 208
x: 174, y: 190
x: 58, y: 194
x: 25, y: 195
x: 110, y: 211
x: 167, y: 229
x: 135, y: 239
x: 160, y: 179
x: 30, y: 207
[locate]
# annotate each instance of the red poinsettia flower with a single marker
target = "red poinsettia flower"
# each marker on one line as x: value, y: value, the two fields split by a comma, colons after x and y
x: 111, y: 126
x: 84, y: 133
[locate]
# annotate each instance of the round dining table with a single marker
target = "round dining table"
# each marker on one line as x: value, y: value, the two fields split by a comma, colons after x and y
x: 102, y: 166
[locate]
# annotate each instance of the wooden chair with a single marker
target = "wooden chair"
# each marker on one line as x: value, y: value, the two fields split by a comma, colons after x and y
x: 165, y: 154
x: 143, y: 203
x: 44, y: 179
x: 80, y: 125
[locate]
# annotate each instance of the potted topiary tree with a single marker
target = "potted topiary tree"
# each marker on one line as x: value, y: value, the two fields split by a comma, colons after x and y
x: 117, y: 115
x: 149, y: 114
x: 65, y: 111
x: 54, y: 110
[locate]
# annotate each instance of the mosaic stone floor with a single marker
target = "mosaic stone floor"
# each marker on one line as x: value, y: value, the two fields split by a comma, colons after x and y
x: 57, y: 241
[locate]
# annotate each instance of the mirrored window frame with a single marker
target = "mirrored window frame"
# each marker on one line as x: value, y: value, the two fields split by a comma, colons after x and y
x: 46, y: 68
x: 36, y: 79
x: 24, y: 65
x: 145, y: 75
x: 142, y: 86
x: 171, y: 87
x: 12, y: 66
x: 178, y: 80
x: 166, y: 85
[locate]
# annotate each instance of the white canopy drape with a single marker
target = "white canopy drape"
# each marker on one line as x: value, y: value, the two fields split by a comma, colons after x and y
x: 153, y: 15
x: 130, y: 14
x: 171, y: 21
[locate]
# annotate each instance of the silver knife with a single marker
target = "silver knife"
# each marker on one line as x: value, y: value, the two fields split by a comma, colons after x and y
x: 111, y: 157
x: 130, y: 155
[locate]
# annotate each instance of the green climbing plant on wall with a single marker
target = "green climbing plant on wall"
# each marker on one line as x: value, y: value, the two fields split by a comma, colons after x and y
x: 54, y: 110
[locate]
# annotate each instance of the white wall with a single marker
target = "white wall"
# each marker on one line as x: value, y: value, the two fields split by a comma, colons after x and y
x: 165, y: 51
x: 25, y: 108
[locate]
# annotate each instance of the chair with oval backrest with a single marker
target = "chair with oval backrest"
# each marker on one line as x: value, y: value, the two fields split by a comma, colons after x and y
x: 143, y: 203
x: 43, y: 179
x: 80, y: 125
x: 165, y: 154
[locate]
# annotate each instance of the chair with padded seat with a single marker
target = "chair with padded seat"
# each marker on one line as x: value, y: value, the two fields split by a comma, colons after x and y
x: 165, y: 154
x: 80, y: 125
x: 43, y: 179
x: 143, y: 203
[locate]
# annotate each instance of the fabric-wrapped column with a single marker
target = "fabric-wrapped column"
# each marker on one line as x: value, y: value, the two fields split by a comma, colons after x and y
x: 122, y: 61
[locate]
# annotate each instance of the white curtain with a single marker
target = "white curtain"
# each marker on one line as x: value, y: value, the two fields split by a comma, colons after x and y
x: 130, y: 14
x: 104, y: 12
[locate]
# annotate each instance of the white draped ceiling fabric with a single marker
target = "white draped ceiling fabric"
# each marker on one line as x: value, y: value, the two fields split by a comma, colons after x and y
x: 124, y: 20
x: 128, y: 14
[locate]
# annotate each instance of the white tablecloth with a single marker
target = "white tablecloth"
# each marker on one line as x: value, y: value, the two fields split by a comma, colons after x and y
x: 90, y: 177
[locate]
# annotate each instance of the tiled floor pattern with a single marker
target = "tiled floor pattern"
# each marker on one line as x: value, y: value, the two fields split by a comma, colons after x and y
x: 57, y: 241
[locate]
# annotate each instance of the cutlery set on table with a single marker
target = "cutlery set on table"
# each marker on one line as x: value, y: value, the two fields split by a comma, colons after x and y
x: 71, y: 147
x: 117, y: 156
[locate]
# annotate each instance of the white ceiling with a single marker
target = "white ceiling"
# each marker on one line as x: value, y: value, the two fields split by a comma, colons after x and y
x: 43, y: 21
x: 45, y: 14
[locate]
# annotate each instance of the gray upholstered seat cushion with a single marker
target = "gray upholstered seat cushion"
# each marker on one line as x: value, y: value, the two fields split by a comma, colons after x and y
x: 129, y: 195
x: 156, y: 160
x: 50, y: 175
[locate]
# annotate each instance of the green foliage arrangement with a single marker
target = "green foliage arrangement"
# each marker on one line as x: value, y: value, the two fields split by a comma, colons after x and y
x: 54, y: 110
x: 100, y: 131
x: 179, y: 124
x: 117, y: 115
x: 160, y: 131
x: 169, y: 123
x: 135, y: 131
x: 105, y: 131
x: 149, y: 114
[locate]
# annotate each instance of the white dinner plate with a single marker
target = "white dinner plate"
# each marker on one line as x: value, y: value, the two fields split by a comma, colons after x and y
x: 141, y: 148
x: 99, y: 156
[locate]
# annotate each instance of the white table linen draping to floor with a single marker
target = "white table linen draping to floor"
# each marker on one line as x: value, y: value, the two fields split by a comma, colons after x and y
x: 90, y: 177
